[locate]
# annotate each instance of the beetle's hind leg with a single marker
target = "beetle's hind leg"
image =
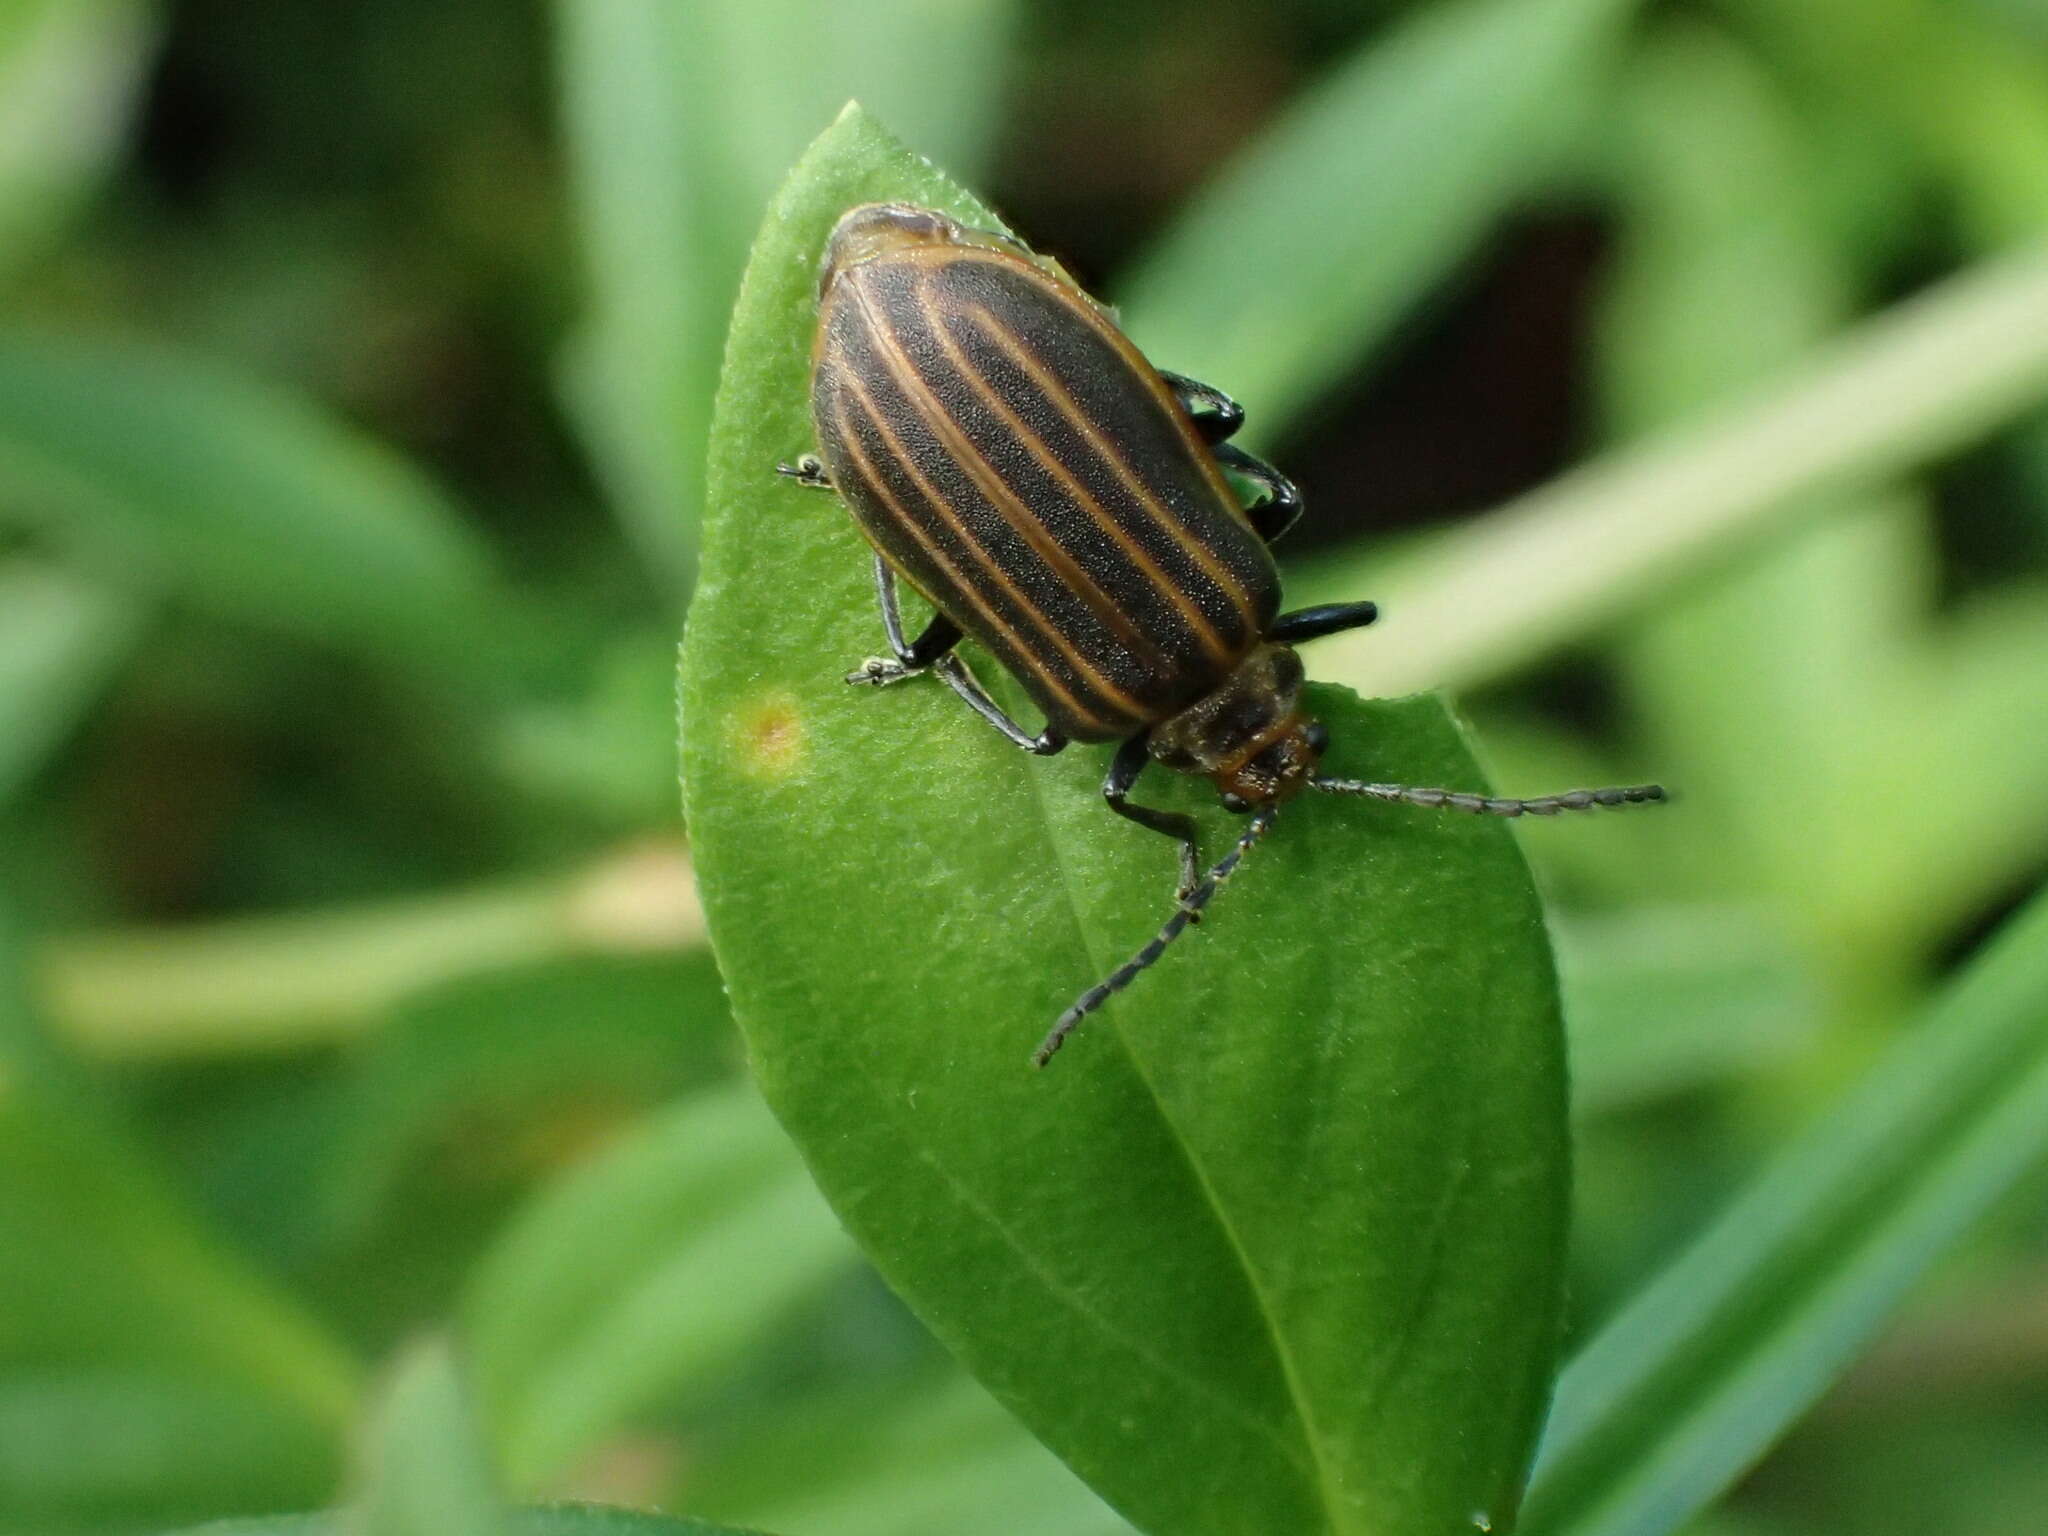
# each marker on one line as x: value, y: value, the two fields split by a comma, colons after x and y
x: 932, y: 651
x: 808, y: 471
x: 1124, y: 768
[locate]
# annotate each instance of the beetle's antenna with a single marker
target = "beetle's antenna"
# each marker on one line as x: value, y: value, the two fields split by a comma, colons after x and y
x: 1187, y: 912
x: 1490, y: 805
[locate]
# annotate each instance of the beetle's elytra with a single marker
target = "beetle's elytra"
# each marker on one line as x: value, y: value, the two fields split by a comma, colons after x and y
x: 1005, y: 448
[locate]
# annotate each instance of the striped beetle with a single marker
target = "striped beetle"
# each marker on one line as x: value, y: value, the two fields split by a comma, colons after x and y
x: 1006, y: 449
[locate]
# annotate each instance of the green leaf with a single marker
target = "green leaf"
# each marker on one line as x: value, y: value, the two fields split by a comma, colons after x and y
x: 553, y: 1520
x: 642, y: 1276
x: 427, y: 1472
x: 1716, y: 1357
x: 680, y: 119
x: 69, y: 77
x: 166, y: 474
x: 1275, y: 1244
x: 60, y: 642
x: 1365, y: 195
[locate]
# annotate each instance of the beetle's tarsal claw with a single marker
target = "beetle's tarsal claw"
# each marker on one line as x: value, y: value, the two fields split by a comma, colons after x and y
x: 878, y: 671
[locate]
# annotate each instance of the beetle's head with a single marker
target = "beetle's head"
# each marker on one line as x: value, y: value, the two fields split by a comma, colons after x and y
x: 1249, y: 735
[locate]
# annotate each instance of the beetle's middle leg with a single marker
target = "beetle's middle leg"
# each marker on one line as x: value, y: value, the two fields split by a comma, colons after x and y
x: 932, y: 651
x: 907, y: 658
x: 1124, y: 768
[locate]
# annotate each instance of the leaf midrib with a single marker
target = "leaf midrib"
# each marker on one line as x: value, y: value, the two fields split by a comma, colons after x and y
x: 1297, y: 1395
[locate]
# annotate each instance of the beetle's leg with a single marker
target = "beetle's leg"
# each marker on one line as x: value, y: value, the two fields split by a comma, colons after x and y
x: 975, y: 697
x: 1215, y: 415
x: 1124, y: 768
x: 807, y: 471
x: 1314, y: 623
x: 932, y: 651
x: 1276, y: 511
x: 908, y: 657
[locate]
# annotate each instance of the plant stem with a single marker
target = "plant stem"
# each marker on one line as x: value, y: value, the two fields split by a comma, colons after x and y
x: 1920, y: 380
x: 310, y: 979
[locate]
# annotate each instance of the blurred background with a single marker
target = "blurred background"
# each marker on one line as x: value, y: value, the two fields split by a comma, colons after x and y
x: 354, y: 369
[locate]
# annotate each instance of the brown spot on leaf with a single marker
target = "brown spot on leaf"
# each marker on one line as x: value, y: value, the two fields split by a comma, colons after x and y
x: 770, y: 737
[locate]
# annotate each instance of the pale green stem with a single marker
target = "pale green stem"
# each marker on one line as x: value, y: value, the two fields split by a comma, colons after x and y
x: 1921, y: 380
x: 308, y: 979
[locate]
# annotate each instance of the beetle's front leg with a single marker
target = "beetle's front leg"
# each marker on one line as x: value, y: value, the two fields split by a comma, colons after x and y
x: 1124, y: 768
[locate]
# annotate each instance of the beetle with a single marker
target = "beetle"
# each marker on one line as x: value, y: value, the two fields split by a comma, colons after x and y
x: 1008, y: 451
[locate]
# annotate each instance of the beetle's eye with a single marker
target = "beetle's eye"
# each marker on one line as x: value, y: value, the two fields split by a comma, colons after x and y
x: 1236, y: 804
x: 1318, y: 737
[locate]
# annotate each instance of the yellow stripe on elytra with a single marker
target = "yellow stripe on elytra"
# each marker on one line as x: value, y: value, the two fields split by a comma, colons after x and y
x: 1205, y: 630
x: 904, y: 373
x: 1142, y: 367
x: 1107, y: 608
x: 1023, y: 653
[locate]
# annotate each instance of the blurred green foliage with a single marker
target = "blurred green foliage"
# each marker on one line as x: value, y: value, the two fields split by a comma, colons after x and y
x: 354, y: 380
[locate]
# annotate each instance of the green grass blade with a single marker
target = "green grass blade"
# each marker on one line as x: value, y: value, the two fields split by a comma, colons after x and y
x: 1275, y: 1244
x: 680, y: 120
x: 70, y: 72
x: 1725, y: 1349
x: 426, y: 1471
x: 165, y: 474
x: 61, y: 640
x: 1327, y: 230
